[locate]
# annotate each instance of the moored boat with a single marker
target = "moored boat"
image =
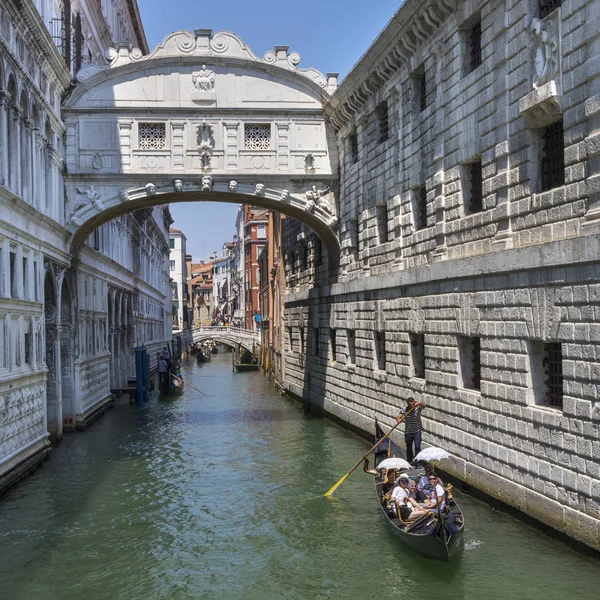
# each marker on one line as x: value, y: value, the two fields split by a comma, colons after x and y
x: 437, y: 534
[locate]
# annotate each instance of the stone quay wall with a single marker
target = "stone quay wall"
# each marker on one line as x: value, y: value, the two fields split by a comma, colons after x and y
x: 470, y: 271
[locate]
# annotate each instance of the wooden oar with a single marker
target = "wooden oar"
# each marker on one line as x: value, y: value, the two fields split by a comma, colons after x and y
x: 400, y: 419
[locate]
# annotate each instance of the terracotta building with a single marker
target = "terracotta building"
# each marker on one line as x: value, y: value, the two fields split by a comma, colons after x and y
x: 256, y: 233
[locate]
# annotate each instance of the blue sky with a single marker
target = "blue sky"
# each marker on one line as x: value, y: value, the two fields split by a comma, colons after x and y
x: 329, y: 35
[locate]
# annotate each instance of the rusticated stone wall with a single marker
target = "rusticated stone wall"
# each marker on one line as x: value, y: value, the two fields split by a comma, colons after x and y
x: 456, y: 295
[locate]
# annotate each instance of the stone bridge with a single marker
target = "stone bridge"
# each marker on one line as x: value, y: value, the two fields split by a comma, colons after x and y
x: 231, y: 336
x: 201, y: 118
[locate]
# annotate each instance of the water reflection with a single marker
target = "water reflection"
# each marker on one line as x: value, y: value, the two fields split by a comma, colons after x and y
x: 219, y: 494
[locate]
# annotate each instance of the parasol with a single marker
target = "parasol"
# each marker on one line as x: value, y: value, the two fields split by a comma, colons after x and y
x: 432, y: 453
x: 394, y: 463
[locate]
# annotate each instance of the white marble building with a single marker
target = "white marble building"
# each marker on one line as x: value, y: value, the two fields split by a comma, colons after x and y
x: 67, y: 327
x: 178, y: 273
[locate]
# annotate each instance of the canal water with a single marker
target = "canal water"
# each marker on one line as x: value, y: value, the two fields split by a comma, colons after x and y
x: 219, y: 495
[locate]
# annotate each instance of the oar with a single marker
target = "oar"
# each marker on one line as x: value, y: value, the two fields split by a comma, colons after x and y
x: 400, y: 419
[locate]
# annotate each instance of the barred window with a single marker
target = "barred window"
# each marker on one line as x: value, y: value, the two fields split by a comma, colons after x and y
x: 380, y: 356
x: 474, y: 47
x: 545, y: 364
x: 420, y: 208
x: 469, y: 354
x: 474, y: 199
x: 353, y: 144
x: 318, y: 250
x: 351, y: 339
x: 545, y: 7
x: 257, y: 137
x: 553, y: 156
x: 333, y: 345
x: 417, y: 354
x: 382, y: 223
x: 420, y: 83
x: 152, y: 136
x: 383, y: 122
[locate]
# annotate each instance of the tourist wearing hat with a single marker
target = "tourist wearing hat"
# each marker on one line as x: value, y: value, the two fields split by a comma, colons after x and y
x: 406, y: 507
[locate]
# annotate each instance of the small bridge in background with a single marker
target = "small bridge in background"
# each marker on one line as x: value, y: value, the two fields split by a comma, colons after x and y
x: 231, y: 336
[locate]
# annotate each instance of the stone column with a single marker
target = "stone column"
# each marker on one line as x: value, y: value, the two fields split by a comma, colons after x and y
x: 28, y: 160
x: 125, y: 144
x: 3, y: 139
x: 591, y: 144
x: 177, y: 143
x: 16, y: 160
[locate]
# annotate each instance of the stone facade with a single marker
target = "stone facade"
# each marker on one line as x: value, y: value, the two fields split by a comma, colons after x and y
x: 67, y: 327
x: 470, y: 270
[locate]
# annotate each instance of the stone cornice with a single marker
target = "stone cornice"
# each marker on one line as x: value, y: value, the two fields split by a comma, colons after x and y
x: 411, y: 26
x: 136, y: 19
x: 38, y: 38
x: 221, y: 48
x: 562, y: 253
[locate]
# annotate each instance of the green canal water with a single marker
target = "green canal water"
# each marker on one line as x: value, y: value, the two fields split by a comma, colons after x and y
x: 220, y: 495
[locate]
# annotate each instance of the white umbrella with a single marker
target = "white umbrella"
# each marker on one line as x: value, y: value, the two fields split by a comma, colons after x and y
x: 432, y: 453
x: 394, y: 463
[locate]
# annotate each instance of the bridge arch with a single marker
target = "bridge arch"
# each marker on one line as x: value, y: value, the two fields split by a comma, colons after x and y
x: 201, y: 118
x: 231, y: 336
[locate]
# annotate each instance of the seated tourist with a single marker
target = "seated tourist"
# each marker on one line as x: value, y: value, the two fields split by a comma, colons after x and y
x: 424, y: 487
x: 406, y: 507
x: 437, y: 496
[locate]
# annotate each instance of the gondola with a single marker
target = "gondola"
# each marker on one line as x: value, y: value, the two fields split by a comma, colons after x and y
x: 176, y: 385
x: 435, y: 535
x: 201, y: 356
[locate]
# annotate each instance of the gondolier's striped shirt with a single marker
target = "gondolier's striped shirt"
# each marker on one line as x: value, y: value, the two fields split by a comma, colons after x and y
x: 412, y: 423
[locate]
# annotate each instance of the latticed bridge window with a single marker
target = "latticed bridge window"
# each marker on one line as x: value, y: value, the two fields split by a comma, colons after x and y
x: 152, y: 136
x: 545, y: 7
x: 257, y: 137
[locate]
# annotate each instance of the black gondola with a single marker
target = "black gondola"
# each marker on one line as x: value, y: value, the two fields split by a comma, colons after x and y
x: 436, y: 535
x: 202, y: 356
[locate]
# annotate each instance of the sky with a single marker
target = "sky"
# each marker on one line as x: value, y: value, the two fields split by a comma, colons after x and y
x: 329, y: 35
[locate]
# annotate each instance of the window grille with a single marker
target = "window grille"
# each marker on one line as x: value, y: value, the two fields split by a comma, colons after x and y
x: 351, y: 340
x: 257, y: 137
x: 318, y: 247
x: 469, y: 352
x: 380, y: 350
x: 475, y: 200
x: 382, y: 223
x: 304, y: 256
x: 333, y: 344
x: 474, y: 47
x: 553, y: 156
x: 302, y: 341
x: 545, y: 7
x: 353, y: 143
x: 417, y: 352
x: 422, y: 88
x: 316, y: 343
x: 420, y: 208
x: 553, y: 374
x: 383, y: 122
x: 152, y: 136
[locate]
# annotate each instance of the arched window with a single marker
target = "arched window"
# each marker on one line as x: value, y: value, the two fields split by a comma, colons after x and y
x: 11, y: 135
x: 47, y: 172
x: 24, y: 166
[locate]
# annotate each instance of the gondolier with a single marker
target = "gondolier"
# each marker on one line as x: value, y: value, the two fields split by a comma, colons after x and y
x: 412, y: 428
